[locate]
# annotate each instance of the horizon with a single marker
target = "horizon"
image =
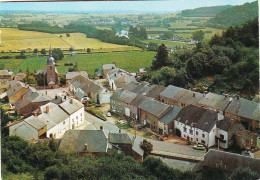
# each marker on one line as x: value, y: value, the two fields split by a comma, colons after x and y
x: 171, y: 6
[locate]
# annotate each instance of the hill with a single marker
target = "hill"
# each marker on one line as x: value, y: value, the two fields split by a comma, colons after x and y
x: 204, y: 11
x: 235, y: 15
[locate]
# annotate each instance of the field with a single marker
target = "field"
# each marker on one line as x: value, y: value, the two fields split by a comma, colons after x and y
x: 130, y: 61
x: 16, y: 40
x: 169, y: 43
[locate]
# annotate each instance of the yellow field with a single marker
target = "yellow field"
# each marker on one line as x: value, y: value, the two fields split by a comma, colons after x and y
x: 16, y: 40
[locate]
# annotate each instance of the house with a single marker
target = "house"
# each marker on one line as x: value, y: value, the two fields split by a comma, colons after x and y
x: 120, y: 102
x: 197, y: 124
x: 71, y: 75
x: 229, y: 162
x: 100, y: 143
x: 150, y: 111
x: 6, y: 75
x: 155, y: 91
x: 119, y: 78
x: 245, y: 111
x: 20, y: 76
x: 30, y: 101
x: 15, y: 92
x: 102, y: 72
x: 51, y: 121
x: 215, y: 102
x: 122, y: 33
x: 138, y: 87
x: 50, y: 73
x: 180, y: 97
x: 226, y: 129
x: 81, y: 87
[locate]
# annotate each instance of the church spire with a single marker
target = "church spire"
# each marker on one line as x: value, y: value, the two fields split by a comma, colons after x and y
x: 50, y: 52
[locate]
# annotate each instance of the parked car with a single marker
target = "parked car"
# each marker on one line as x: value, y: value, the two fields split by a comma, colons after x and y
x: 98, y: 105
x: 108, y: 114
x: 199, y: 147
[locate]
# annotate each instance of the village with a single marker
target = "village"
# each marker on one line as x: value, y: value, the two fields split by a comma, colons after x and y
x: 115, y: 113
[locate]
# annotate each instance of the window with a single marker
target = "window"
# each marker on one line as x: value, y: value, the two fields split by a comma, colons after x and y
x: 203, y: 142
x: 197, y: 133
x: 63, y: 122
x: 77, y: 117
x: 72, y: 120
x: 191, y: 139
x: 184, y: 129
x: 221, y: 136
x: 203, y: 135
x: 197, y: 139
x: 191, y: 131
x: 81, y: 114
x: 184, y: 135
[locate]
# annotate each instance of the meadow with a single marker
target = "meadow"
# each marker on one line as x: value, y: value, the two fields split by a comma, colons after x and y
x: 169, y: 43
x: 17, y: 40
x: 131, y: 61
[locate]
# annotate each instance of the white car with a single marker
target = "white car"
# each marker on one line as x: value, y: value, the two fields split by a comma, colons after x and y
x: 108, y: 114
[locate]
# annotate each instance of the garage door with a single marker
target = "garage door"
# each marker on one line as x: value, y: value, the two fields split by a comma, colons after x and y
x: 127, y: 111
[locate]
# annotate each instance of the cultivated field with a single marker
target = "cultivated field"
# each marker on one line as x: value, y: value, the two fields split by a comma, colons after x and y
x: 16, y: 40
x: 130, y: 61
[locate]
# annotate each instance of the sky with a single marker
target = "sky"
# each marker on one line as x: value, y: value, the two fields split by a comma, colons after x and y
x: 116, y: 6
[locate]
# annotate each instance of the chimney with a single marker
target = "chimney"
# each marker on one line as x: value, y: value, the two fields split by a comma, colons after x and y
x: 86, y: 147
x: 35, y: 114
x: 101, y: 128
x: 56, y: 97
x: 194, y: 94
x: 39, y: 110
x: 71, y: 100
x: 119, y: 130
x: 47, y: 109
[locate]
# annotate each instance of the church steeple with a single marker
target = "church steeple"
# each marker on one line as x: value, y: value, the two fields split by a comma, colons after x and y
x: 50, y: 52
x: 50, y: 60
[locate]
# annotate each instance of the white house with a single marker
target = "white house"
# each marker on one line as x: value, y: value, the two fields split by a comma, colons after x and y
x: 196, y: 124
x: 51, y: 121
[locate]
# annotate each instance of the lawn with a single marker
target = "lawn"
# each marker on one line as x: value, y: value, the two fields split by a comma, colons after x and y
x: 16, y: 40
x: 131, y: 61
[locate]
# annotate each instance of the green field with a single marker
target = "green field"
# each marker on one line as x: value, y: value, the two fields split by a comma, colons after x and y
x: 17, y: 40
x: 130, y: 61
x: 169, y: 43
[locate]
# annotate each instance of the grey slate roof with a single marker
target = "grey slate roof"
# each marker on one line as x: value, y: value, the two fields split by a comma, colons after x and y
x: 99, y: 72
x: 138, y: 100
x: 168, y: 117
x: 215, y: 101
x: 155, y: 107
x: 183, y: 95
x: 244, y: 108
x: 139, y: 88
x: 71, y: 105
x: 123, y: 80
x: 11, y: 91
x: 155, y: 91
x: 119, y: 138
x: 70, y: 75
x: 197, y: 117
x: 75, y: 140
x: 230, y: 160
x: 34, y: 122
x: 227, y: 124
x: 123, y: 96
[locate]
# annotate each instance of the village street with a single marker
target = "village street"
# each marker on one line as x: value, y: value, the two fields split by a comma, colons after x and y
x: 158, y: 146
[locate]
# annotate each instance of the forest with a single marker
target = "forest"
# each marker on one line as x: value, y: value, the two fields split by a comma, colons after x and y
x: 231, y: 58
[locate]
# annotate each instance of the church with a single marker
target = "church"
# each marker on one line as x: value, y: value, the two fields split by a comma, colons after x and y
x: 50, y: 73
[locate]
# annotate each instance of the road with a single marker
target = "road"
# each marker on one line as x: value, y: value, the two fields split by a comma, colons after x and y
x: 157, y: 145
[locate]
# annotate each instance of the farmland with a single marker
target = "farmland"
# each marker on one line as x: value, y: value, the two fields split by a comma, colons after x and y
x: 130, y: 61
x: 16, y: 40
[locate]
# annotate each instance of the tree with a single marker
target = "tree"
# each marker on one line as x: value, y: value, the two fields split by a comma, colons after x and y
x: 27, y: 71
x: 35, y: 50
x: 168, y: 35
x: 161, y: 58
x: 62, y: 80
x: 146, y: 146
x: 52, y: 172
x: 68, y: 34
x: 198, y: 35
x: 71, y: 49
x: 244, y: 173
x: 143, y: 33
x: 152, y: 46
x: 40, y: 81
x: 22, y: 53
x: 88, y: 50
x: 43, y: 51
x: 57, y: 54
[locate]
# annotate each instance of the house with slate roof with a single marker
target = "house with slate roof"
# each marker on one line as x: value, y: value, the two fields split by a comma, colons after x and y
x: 245, y: 111
x: 197, y: 124
x: 51, y: 121
x: 15, y: 92
x: 180, y: 97
x: 102, y: 72
x: 229, y: 162
x: 81, y: 87
x: 100, y: 143
x: 71, y: 75
x: 6, y: 75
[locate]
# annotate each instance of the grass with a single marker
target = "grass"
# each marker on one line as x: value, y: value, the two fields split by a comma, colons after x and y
x: 17, y: 40
x: 123, y: 126
x: 130, y: 61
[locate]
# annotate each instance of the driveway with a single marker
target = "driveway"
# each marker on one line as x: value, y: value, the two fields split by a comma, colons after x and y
x: 157, y: 145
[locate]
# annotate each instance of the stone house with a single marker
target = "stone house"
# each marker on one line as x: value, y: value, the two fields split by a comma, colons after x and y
x: 180, y: 97
x: 197, y: 124
x: 71, y: 75
x: 6, y: 75
x: 245, y: 111
x: 102, y: 72
x: 15, y: 92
